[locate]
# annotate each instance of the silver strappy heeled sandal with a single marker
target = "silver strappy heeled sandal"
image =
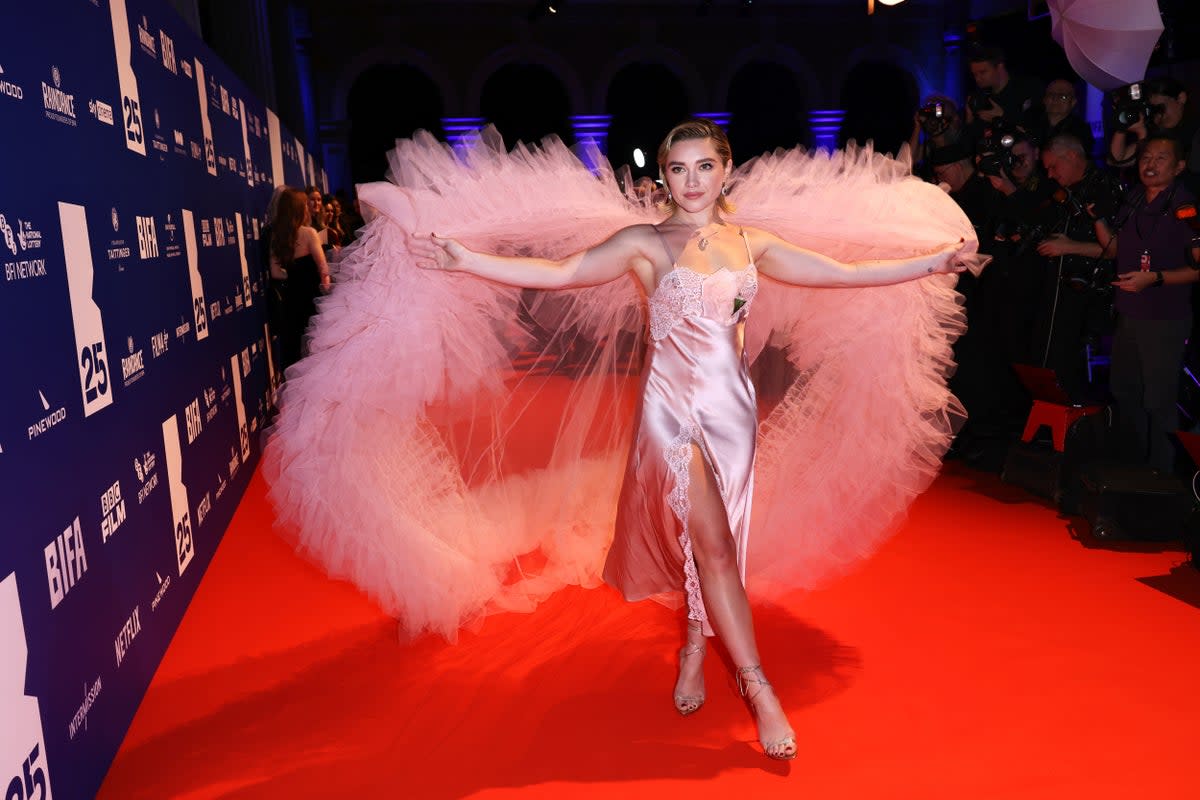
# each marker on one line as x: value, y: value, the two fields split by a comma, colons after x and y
x: 783, y: 748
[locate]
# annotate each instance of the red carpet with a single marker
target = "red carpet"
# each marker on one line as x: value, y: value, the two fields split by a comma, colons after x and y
x: 989, y: 651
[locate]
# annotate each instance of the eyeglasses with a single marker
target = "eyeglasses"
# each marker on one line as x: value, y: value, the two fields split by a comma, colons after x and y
x: 1063, y: 96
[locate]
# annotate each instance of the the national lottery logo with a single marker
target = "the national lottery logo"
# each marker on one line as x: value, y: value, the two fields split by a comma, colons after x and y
x: 10, y: 89
x: 167, y: 47
x: 23, y: 745
x: 27, y: 236
x: 66, y: 562
x: 7, y: 230
x: 147, y: 237
x: 59, y: 105
x: 146, y: 39
x: 101, y: 110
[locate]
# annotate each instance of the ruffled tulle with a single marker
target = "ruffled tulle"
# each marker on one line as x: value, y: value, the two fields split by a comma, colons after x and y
x: 455, y: 447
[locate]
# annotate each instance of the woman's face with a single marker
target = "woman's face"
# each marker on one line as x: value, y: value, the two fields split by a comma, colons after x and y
x: 694, y: 174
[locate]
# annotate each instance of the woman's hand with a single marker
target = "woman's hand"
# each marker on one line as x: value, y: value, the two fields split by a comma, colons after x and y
x: 950, y: 259
x: 1055, y: 245
x: 437, y: 252
x: 1135, y: 281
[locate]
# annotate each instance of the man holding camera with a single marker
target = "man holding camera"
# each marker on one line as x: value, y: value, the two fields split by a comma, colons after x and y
x: 1074, y: 310
x: 1015, y: 99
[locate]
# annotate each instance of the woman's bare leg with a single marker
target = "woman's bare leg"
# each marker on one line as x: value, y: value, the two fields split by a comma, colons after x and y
x: 726, y: 603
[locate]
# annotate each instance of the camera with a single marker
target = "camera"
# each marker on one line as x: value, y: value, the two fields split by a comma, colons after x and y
x: 934, y: 117
x: 1132, y: 104
x: 980, y: 100
x: 995, y: 149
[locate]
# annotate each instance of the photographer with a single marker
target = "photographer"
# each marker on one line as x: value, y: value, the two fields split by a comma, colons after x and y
x: 1157, y: 251
x: 1015, y: 99
x: 937, y: 124
x: 1074, y: 309
x: 1059, y: 103
x: 1155, y: 107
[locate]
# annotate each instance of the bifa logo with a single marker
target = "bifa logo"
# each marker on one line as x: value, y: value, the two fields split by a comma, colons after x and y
x: 167, y: 48
x: 195, y: 423
x: 147, y: 237
x: 185, y: 547
x: 79, y: 721
x: 66, y: 562
x: 146, y: 38
x: 131, y: 106
x: 112, y: 511
x: 23, y: 745
x: 128, y: 632
x: 200, y: 315
x: 59, y: 105
x: 224, y: 99
x: 133, y: 366
x: 92, y: 358
x: 10, y: 89
x: 210, y: 152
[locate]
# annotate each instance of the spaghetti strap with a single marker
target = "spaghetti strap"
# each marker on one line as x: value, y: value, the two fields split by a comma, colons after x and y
x: 746, y: 239
x: 666, y: 247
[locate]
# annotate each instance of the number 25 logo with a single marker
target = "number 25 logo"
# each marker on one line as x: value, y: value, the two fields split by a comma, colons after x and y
x: 21, y: 786
x: 133, y: 120
x: 95, y: 382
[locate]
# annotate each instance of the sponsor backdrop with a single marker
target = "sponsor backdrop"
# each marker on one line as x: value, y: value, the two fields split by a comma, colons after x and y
x: 136, y: 171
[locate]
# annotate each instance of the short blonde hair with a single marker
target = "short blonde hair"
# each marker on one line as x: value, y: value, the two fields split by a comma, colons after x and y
x: 695, y: 128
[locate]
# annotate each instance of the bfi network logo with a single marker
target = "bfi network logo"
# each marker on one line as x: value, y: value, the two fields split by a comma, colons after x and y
x: 66, y: 562
x: 147, y: 238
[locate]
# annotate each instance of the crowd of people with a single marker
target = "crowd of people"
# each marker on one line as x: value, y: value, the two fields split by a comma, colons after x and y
x: 1094, y: 245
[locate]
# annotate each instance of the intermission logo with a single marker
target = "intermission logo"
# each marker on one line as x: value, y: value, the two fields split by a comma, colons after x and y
x: 66, y: 562
x: 92, y: 355
x: 19, y: 243
x: 79, y: 721
x: 144, y: 467
x: 101, y: 110
x: 128, y: 632
x: 133, y: 366
x: 59, y: 105
x: 167, y: 46
x: 22, y: 745
x: 131, y: 105
x: 112, y: 511
x: 147, y: 237
x: 10, y: 89
x: 185, y: 546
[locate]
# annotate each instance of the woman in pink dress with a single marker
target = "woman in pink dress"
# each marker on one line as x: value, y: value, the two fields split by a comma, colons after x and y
x: 683, y: 518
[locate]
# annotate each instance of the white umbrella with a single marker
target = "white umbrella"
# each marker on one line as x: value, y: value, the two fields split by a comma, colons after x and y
x: 1108, y: 42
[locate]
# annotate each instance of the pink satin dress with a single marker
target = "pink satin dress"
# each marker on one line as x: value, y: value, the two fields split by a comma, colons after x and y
x: 696, y: 389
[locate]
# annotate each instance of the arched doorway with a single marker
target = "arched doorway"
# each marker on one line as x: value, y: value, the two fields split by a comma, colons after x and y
x: 645, y: 100
x: 768, y: 110
x: 388, y: 102
x: 526, y: 103
x: 880, y: 99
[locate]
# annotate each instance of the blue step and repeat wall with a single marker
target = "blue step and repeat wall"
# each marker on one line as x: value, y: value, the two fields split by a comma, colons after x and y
x: 135, y: 171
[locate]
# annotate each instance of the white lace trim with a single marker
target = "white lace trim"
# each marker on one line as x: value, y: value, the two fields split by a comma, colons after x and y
x: 679, y: 458
x: 680, y: 294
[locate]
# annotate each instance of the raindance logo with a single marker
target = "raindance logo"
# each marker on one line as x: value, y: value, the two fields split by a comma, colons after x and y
x: 9, y: 89
x: 66, y: 562
x: 143, y: 467
x: 23, y: 747
x: 80, y: 719
x: 112, y: 511
x: 146, y: 38
x: 133, y: 366
x: 168, y: 51
x: 59, y: 106
x: 147, y: 237
x: 47, y: 422
x: 101, y: 110
x: 128, y: 632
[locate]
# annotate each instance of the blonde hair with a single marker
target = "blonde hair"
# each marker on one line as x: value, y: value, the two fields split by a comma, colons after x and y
x: 695, y: 128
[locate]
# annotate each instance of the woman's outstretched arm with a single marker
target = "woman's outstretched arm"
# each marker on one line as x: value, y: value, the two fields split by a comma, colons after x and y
x: 786, y: 262
x: 625, y: 250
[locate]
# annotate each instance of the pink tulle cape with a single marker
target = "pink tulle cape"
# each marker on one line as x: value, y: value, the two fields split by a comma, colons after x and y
x: 455, y: 447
